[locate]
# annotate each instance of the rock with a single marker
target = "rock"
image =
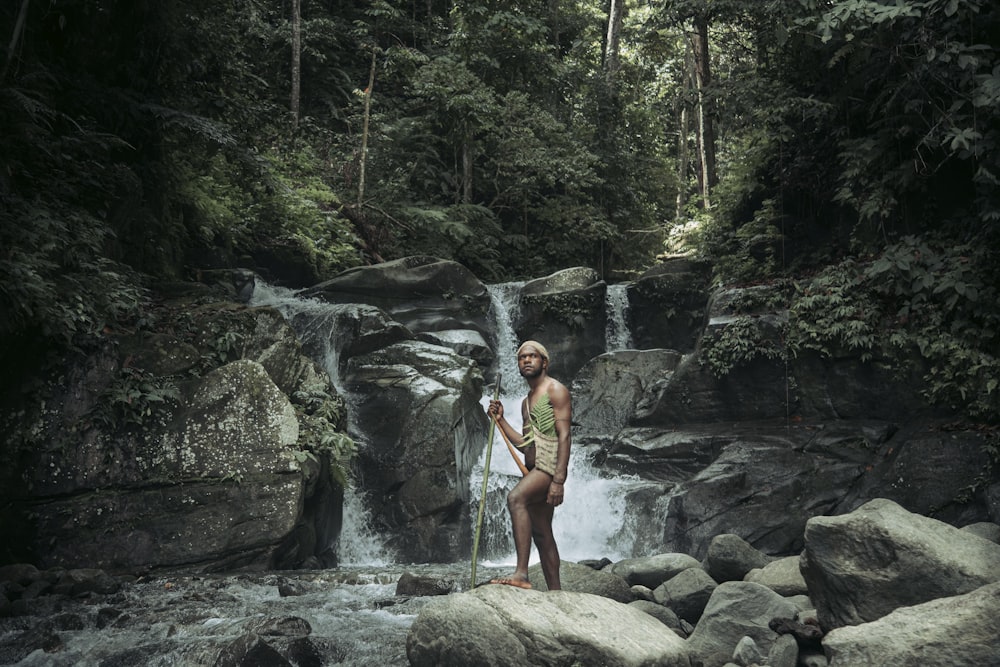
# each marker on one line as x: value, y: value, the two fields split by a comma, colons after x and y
x: 652, y: 571
x: 757, y: 489
x: 466, y: 342
x: 418, y: 405
x: 730, y: 558
x: 963, y: 630
x: 784, y: 652
x: 806, y: 635
x: 414, y: 584
x: 663, y: 614
x: 984, y: 529
x: 424, y: 294
x: 782, y: 576
x: 863, y: 565
x: 747, y: 652
x: 609, y: 387
x: 502, y: 625
x: 19, y: 573
x: 582, y: 579
x: 667, y: 304
x: 242, y: 496
x: 736, y: 609
x: 923, y: 467
x: 686, y: 593
x: 564, y: 311
x: 664, y: 454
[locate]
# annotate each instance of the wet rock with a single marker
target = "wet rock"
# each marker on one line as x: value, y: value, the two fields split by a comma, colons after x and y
x: 565, y: 312
x: 412, y: 584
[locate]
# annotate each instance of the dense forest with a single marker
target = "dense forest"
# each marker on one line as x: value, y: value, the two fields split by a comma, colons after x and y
x: 844, y: 151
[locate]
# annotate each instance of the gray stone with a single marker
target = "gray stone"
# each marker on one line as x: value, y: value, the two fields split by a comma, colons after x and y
x: 863, y: 565
x: 660, y: 613
x: 984, y: 529
x: 503, y: 625
x: 565, y: 311
x: 582, y: 579
x: 784, y: 652
x: 730, y: 558
x: 609, y: 387
x: 960, y: 631
x: 736, y: 609
x: 687, y: 593
x: 782, y: 576
x: 747, y: 652
x: 651, y: 571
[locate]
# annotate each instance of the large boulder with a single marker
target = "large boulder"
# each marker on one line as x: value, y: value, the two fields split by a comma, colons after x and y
x: 505, y: 626
x: 863, y: 565
x: 565, y: 312
x: 422, y: 293
x: 234, y: 489
x: 764, y: 485
x: 417, y: 414
x: 667, y: 304
x: 197, y: 445
x: 959, y: 631
x: 609, y: 387
x: 736, y: 609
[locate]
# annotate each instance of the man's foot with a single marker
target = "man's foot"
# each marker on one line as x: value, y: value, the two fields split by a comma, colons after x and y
x: 515, y: 580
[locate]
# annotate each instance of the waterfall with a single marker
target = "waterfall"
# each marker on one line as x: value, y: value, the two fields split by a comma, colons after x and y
x: 617, y: 333
x: 593, y: 522
x: 314, y: 322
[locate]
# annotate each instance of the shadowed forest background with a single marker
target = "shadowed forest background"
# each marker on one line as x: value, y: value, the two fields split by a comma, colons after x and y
x: 853, y: 142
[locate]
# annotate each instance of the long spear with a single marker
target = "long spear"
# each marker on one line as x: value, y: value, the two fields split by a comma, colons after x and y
x: 486, y: 478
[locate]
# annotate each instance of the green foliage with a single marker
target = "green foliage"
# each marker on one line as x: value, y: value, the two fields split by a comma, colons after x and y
x: 919, y: 297
x: 133, y: 398
x: 739, y: 342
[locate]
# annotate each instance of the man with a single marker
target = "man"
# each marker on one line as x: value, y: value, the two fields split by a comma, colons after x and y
x: 545, y: 440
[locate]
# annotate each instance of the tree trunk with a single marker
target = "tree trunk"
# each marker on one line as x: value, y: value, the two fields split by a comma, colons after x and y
x: 296, y: 59
x: 706, y: 132
x: 15, y: 37
x: 364, y: 133
x: 467, y: 171
x: 683, y: 161
x: 612, y: 61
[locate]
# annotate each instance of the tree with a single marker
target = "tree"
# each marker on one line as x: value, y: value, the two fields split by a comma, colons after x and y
x: 296, y: 60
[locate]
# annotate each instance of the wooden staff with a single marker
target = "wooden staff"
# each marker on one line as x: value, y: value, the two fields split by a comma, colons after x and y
x: 513, y: 451
x: 482, y: 498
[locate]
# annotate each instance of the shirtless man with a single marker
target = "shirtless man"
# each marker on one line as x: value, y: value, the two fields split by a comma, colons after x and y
x: 545, y: 440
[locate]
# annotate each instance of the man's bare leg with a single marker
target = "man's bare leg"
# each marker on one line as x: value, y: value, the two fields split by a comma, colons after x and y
x: 531, y: 490
x: 548, y: 552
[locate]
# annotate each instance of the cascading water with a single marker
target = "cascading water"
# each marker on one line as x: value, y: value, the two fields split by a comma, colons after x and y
x: 314, y: 322
x: 593, y: 522
x: 617, y: 333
